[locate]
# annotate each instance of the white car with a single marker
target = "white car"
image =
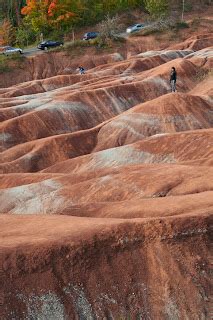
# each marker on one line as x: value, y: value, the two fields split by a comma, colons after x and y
x: 135, y: 27
x: 10, y: 50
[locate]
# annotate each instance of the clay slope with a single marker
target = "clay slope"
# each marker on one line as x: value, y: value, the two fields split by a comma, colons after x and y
x: 106, y: 188
x: 167, y: 114
x: 105, y: 268
x: 73, y: 109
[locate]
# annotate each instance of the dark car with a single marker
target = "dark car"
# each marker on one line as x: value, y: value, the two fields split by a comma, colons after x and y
x: 90, y: 35
x: 49, y: 44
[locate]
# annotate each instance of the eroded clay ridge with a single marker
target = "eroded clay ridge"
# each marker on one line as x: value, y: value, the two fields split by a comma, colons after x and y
x: 106, y: 193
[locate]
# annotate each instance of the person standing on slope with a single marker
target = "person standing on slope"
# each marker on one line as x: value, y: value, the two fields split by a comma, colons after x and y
x: 173, y: 78
x: 82, y: 70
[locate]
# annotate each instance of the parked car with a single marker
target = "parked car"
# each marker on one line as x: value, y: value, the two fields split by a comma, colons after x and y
x: 49, y: 44
x: 90, y: 35
x: 135, y: 27
x: 10, y: 50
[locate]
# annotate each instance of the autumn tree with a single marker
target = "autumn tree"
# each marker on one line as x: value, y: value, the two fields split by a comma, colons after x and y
x: 7, y: 33
x: 57, y: 17
x: 47, y: 14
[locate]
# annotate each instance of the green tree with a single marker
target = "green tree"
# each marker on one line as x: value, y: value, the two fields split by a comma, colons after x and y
x: 25, y: 35
x: 157, y: 8
x: 11, y: 10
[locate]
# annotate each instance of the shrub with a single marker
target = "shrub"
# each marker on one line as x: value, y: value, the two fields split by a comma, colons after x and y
x: 76, y: 44
x: 109, y: 29
x: 24, y: 36
x: 157, y: 9
x: 157, y: 27
x: 196, y: 23
x: 202, y: 74
x: 188, y: 7
x: 4, y: 67
x: 181, y: 25
x: 8, y: 63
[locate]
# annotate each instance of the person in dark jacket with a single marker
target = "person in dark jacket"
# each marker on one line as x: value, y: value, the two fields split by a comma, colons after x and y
x: 173, y: 79
x: 82, y: 70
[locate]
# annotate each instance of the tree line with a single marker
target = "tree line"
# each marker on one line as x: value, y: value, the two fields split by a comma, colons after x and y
x: 21, y: 21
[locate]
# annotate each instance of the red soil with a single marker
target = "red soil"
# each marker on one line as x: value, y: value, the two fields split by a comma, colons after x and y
x: 106, y: 189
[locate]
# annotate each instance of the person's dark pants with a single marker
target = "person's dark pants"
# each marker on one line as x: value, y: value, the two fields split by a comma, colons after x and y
x: 173, y: 85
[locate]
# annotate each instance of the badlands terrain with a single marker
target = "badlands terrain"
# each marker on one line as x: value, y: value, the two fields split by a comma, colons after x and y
x: 107, y: 184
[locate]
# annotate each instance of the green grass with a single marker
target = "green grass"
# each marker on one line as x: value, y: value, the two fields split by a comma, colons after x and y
x: 8, y: 63
x: 148, y: 32
x: 31, y: 45
x: 158, y: 28
x: 79, y: 47
x: 181, y: 25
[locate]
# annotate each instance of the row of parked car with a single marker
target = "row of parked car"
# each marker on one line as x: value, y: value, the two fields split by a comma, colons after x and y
x: 131, y: 29
x: 87, y: 36
x: 45, y: 45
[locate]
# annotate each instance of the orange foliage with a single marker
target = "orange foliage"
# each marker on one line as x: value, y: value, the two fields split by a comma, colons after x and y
x: 51, y: 8
x: 31, y: 5
x: 6, y: 33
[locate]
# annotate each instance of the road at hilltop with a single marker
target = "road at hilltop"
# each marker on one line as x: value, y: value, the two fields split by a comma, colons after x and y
x: 31, y: 51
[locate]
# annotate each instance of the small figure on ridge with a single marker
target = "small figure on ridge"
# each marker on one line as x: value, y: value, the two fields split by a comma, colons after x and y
x: 81, y: 70
x: 173, y: 78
